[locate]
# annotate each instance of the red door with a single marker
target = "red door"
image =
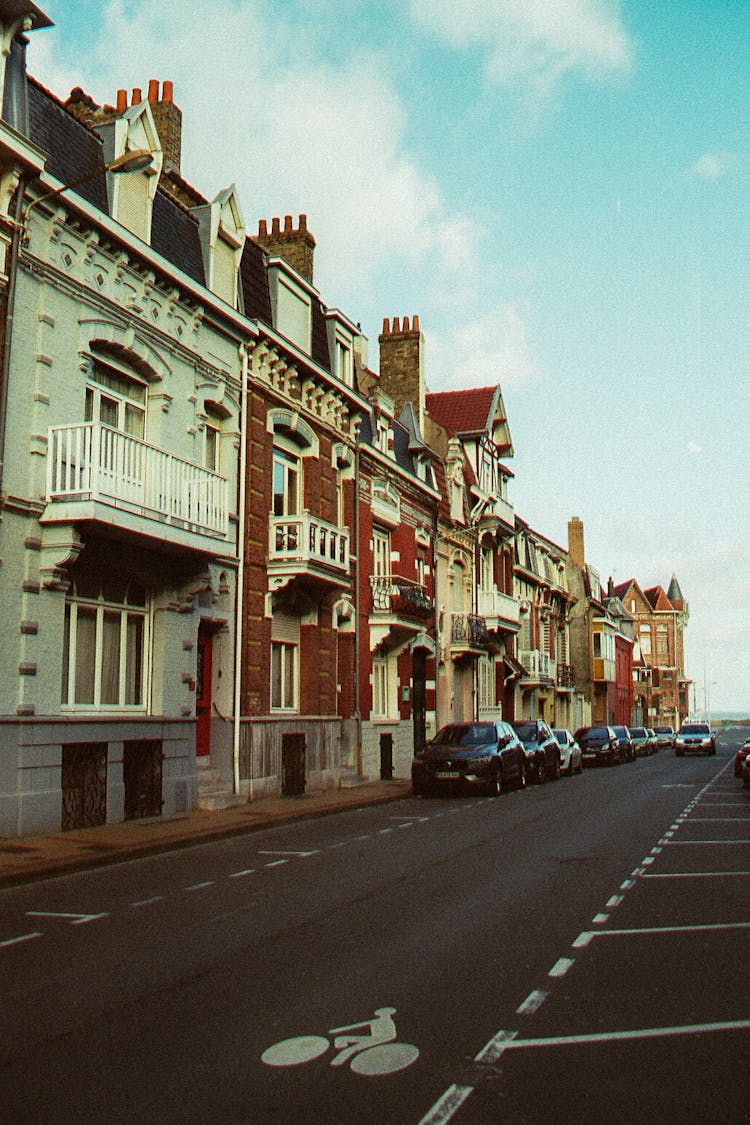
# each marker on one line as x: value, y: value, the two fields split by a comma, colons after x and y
x: 203, y: 693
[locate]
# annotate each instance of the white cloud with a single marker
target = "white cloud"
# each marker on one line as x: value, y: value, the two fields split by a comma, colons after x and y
x: 481, y: 351
x: 533, y: 43
x: 714, y: 165
x: 694, y: 448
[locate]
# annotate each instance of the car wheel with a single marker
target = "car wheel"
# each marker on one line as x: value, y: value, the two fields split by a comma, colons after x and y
x: 523, y: 777
x: 541, y: 773
x: 417, y: 790
x: 556, y: 769
x: 678, y: 753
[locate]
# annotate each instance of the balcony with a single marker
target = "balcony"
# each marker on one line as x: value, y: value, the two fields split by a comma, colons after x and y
x: 305, y: 546
x: 499, y: 610
x: 103, y: 475
x: 400, y: 610
x: 603, y: 670
x: 565, y: 677
x: 469, y: 636
x: 540, y: 668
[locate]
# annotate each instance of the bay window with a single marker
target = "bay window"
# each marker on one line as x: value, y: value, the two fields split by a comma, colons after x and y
x: 105, y: 645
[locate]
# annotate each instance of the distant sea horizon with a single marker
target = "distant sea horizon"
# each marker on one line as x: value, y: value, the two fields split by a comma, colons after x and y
x: 730, y: 716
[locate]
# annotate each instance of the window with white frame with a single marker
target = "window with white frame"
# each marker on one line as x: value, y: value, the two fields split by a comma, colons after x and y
x: 105, y: 644
x: 486, y: 682
x: 287, y: 477
x: 381, y: 690
x: 381, y: 548
x: 284, y: 675
x: 115, y: 396
x: 645, y: 638
x: 487, y: 570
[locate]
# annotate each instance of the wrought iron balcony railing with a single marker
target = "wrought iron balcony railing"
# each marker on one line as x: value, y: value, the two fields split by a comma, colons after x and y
x: 402, y: 597
x: 469, y: 629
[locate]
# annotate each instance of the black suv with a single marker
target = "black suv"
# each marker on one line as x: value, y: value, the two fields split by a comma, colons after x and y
x: 485, y: 756
x: 542, y: 748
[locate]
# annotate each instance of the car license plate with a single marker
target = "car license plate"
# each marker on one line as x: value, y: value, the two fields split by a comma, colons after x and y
x: 444, y: 775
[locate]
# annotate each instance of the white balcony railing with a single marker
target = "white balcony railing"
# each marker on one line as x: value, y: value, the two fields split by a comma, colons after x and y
x: 94, y: 462
x: 496, y: 606
x: 306, y: 539
x: 538, y: 664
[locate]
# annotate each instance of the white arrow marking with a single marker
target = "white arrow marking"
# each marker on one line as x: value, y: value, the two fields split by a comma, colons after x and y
x: 74, y: 919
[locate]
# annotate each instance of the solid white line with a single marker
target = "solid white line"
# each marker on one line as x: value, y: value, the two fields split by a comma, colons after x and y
x: 560, y: 967
x: 302, y: 855
x: 452, y: 1100
x: 726, y: 804
x: 18, y: 940
x: 240, y: 874
x: 695, y: 874
x: 532, y: 1003
x: 641, y: 1033
x: 684, y: 843
x: 147, y: 901
x: 492, y: 1051
x: 672, y: 929
x: 200, y: 886
x: 720, y: 820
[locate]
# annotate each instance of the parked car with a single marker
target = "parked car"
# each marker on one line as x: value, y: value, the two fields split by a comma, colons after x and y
x: 653, y: 740
x: 739, y: 758
x: 746, y: 771
x: 627, y: 750
x: 642, y: 741
x: 542, y: 749
x: 598, y: 744
x: 571, y: 760
x: 664, y: 737
x: 694, y: 736
x: 469, y: 756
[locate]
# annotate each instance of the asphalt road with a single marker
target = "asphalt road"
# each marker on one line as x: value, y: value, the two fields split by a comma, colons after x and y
x: 573, y: 953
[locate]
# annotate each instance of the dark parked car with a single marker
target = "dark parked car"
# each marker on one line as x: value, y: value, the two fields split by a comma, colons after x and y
x: 739, y: 758
x: 695, y: 736
x: 485, y: 756
x: 641, y: 740
x: 627, y: 750
x: 542, y: 748
x: 664, y: 736
x: 598, y: 744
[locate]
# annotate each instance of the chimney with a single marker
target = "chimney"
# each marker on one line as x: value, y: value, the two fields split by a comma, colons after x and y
x: 168, y: 120
x: 401, y: 364
x: 575, y: 542
x: 294, y: 244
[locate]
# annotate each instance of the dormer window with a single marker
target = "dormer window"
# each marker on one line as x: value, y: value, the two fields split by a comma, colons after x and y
x: 131, y: 196
x: 291, y: 307
x: 342, y: 363
x: 222, y: 235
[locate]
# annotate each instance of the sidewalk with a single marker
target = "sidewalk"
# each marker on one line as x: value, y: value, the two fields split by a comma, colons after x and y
x: 34, y: 857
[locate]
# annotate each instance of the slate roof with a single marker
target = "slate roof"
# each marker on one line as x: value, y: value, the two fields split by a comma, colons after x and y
x: 174, y: 235
x: 464, y: 412
x: 401, y: 441
x: 73, y: 150
x: 674, y: 593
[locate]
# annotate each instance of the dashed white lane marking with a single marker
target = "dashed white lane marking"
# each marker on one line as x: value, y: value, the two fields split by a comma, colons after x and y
x: 301, y: 855
x: 343, y: 843
x: 74, y: 919
x: 600, y: 919
x: 147, y: 901
x: 385, y: 831
x: 492, y: 1050
x: 615, y: 900
x: 18, y: 940
x: 636, y: 1033
x: 532, y: 1003
x: 200, y: 886
x: 276, y: 863
x: 442, y: 1111
x: 627, y: 884
x: 242, y: 874
x: 561, y: 966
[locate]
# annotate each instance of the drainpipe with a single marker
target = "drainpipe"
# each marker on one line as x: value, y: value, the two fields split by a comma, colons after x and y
x: 435, y: 612
x: 240, y: 584
x: 357, y: 601
x: 15, y: 248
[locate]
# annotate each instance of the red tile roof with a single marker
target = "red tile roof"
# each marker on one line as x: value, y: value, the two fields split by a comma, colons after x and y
x: 464, y: 412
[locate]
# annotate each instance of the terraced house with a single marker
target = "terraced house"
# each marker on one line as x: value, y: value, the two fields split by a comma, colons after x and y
x: 120, y: 423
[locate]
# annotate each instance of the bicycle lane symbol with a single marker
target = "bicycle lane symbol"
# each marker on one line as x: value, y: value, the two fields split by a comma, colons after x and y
x: 374, y: 1053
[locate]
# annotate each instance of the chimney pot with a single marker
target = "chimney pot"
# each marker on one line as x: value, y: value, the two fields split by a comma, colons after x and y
x: 415, y: 324
x: 396, y: 324
x: 153, y: 90
x: 167, y: 91
x: 386, y: 326
x: 406, y: 324
x: 275, y: 225
x: 122, y: 99
x: 262, y: 228
x: 288, y: 225
x: 303, y: 222
x: 137, y: 96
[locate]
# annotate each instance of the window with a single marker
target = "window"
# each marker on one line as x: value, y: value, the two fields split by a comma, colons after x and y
x: 284, y: 661
x: 381, y: 546
x: 645, y: 636
x: 115, y: 399
x: 105, y: 644
x: 662, y: 640
x: 487, y: 571
x: 287, y: 471
x: 421, y: 567
x: 343, y: 363
x: 486, y: 685
x: 380, y: 687
x: 211, y: 449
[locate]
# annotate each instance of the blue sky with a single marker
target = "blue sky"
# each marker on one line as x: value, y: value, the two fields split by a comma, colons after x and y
x: 559, y: 188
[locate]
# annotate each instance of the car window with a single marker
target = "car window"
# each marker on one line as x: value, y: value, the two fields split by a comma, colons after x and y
x: 466, y: 734
x: 694, y: 728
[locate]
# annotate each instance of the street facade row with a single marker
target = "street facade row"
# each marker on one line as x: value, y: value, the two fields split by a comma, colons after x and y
x: 236, y: 559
